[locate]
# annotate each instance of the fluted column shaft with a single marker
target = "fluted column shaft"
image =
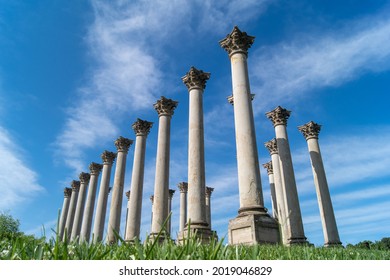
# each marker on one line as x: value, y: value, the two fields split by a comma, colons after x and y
x: 295, y: 229
x: 85, y: 234
x: 133, y: 222
x: 164, y: 108
x: 101, y: 208
x: 183, y: 187
x: 195, y: 80
x: 64, y: 212
x: 72, y: 208
x: 79, y: 214
x: 331, y: 235
x: 123, y: 145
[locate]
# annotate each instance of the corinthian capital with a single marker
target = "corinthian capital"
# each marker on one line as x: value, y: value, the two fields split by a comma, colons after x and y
x: 171, y: 192
x: 237, y: 41
x: 209, y: 191
x: 95, y: 168
x: 183, y: 187
x: 67, y: 192
x: 84, y: 177
x: 75, y: 185
x: 269, y: 168
x: 128, y: 195
x: 108, y: 157
x: 142, y: 127
x: 123, y: 144
x: 278, y: 116
x: 165, y: 106
x: 310, y: 130
x: 272, y: 146
x: 151, y: 198
x: 195, y: 79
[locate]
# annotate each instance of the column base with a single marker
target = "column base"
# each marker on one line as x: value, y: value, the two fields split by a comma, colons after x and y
x: 161, y: 238
x: 200, y: 231
x: 297, y: 241
x: 253, y: 226
x: 333, y: 244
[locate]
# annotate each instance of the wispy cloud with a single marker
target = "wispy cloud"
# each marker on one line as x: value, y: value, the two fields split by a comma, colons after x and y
x: 19, y: 182
x: 289, y: 69
x: 126, y: 41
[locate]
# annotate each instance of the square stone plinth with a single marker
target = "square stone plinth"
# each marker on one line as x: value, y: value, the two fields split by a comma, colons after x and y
x: 252, y: 229
x: 205, y: 235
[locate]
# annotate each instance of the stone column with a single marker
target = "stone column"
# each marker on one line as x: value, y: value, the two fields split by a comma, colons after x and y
x: 79, y: 214
x: 169, y: 223
x: 296, y: 234
x: 280, y: 193
x: 195, y: 81
x: 165, y: 108
x: 253, y: 224
x: 101, y: 208
x: 270, y: 172
x: 183, y: 187
x: 331, y: 235
x: 72, y: 209
x: 122, y: 144
x: 151, y: 213
x: 127, y: 209
x: 64, y: 212
x: 209, y: 191
x: 85, y: 234
x: 133, y: 223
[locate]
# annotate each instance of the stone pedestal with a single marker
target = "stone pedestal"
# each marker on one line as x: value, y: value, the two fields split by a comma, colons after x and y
x: 122, y: 144
x: 101, y: 208
x: 85, y: 234
x: 331, y: 235
x: 64, y: 212
x: 295, y: 234
x: 133, y: 222
x: 265, y: 228
x: 165, y: 108
x: 79, y: 214
x: 72, y: 209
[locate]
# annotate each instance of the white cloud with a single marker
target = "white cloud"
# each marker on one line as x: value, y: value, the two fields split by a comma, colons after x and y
x: 19, y: 183
x: 312, y: 61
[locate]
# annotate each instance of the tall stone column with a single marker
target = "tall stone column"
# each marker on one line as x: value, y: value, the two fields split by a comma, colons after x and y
x: 122, y: 144
x: 270, y: 172
x: 169, y: 223
x: 183, y: 187
x: 279, y: 190
x: 72, y: 209
x: 101, y: 208
x: 133, y: 223
x: 209, y: 191
x: 127, y: 209
x: 95, y: 169
x: 165, y: 108
x: 296, y: 234
x: 253, y: 224
x: 151, y: 213
x: 79, y: 214
x: 64, y: 212
x: 195, y: 81
x: 310, y: 131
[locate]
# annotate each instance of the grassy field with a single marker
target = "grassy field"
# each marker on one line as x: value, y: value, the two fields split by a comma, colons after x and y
x: 22, y: 248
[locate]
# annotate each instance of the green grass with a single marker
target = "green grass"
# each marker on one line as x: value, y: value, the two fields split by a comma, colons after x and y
x: 21, y: 248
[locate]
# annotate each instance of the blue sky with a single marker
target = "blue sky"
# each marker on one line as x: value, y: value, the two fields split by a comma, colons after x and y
x: 74, y: 76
